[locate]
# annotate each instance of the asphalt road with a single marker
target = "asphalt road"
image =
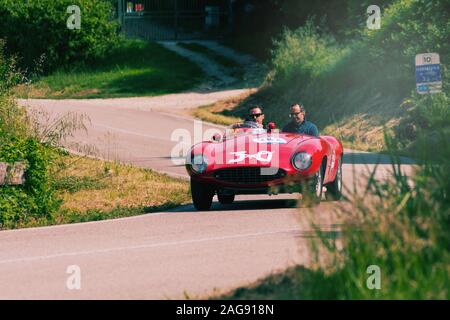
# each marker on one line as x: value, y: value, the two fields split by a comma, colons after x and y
x: 176, y: 254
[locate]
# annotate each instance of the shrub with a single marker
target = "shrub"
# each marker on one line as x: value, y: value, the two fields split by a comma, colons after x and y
x: 9, y: 78
x: 36, y: 32
x: 304, y: 53
x: 404, y: 231
x: 35, y: 199
x: 425, y: 116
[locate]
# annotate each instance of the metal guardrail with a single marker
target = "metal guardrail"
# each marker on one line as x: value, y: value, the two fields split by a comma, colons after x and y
x: 12, y: 174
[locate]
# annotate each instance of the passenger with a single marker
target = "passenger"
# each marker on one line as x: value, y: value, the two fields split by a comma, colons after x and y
x: 299, y: 124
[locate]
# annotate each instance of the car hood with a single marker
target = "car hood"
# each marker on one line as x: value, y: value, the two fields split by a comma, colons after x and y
x: 268, y: 150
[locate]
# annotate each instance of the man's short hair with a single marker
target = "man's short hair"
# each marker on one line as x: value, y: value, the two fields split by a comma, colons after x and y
x: 302, y: 108
x: 254, y: 107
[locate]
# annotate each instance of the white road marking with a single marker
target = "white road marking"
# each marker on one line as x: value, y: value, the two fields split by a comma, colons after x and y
x: 145, y: 246
x: 130, y: 132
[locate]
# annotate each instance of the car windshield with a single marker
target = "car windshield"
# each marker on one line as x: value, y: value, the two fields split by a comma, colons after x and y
x: 243, y: 128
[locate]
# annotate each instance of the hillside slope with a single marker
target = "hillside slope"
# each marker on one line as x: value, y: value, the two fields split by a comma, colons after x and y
x: 361, y: 88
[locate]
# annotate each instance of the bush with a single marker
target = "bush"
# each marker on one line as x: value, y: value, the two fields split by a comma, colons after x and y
x: 404, y: 231
x: 36, y: 32
x: 425, y: 116
x: 35, y: 199
x: 303, y: 54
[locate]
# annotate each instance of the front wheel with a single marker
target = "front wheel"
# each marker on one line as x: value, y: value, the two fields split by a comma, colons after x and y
x: 202, y: 195
x: 312, y: 191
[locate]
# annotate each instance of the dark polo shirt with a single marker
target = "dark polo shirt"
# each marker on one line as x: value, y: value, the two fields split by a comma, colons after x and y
x: 306, y: 127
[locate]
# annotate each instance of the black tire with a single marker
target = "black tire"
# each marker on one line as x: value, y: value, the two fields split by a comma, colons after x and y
x: 334, y: 189
x: 202, y: 195
x: 312, y: 190
x: 225, y: 198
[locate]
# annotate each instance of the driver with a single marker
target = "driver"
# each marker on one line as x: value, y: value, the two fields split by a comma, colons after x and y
x: 255, y: 117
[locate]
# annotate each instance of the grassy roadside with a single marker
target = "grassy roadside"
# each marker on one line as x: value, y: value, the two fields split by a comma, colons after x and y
x: 92, y: 190
x: 235, y: 69
x: 352, y: 132
x: 296, y: 283
x: 221, y: 112
x: 133, y: 68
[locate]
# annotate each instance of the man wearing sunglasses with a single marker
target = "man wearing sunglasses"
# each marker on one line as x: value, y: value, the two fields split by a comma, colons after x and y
x: 255, y: 117
x: 299, y: 124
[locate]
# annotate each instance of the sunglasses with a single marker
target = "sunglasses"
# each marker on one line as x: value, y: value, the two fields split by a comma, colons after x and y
x: 256, y: 115
x: 294, y: 114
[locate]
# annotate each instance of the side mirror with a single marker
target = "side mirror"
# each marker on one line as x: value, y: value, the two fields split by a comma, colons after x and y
x: 271, y: 126
x: 216, y: 137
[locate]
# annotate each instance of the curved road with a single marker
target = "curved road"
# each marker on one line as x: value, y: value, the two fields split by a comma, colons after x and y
x: 176, y: 254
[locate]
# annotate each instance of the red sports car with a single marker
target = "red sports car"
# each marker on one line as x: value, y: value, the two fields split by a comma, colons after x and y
x: 258, y: 161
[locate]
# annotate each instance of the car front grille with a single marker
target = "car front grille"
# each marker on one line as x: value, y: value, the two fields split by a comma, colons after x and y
x: 248, y: 175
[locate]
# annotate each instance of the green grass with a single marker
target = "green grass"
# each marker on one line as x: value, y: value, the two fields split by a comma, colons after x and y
x: 92, y: 190
x: 74, y: 184
x: 235, y: 69
x: 296, y: 283
x: 204, y: 113
x: 219, y: 112
x: 66, y: 216
x: 134, y: 68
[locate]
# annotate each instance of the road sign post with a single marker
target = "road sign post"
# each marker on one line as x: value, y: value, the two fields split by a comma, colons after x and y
x: 428, y: 73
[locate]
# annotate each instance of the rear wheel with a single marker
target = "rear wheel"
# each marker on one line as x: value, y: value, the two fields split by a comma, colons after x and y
x: 202, y: 195
x: 334, y: 189
x: 225, y: 198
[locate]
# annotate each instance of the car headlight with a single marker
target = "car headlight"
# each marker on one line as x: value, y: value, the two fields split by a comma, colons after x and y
x: 302, y: 161
x: 199, y: 163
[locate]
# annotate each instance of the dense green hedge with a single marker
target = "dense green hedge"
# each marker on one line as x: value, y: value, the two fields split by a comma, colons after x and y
x: 35, y: 199
x: 36, y: 31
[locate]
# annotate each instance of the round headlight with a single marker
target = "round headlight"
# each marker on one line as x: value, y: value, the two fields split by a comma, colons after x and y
x: 302, y: 161
x: 199, y: 163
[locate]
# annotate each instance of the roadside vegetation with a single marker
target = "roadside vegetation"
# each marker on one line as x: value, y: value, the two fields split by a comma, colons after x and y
x: 36, y: 32
x: 60, y: 188
x: 221, y: 112
x: 355, y: 83
x: 132, y: 68
x: 359, y: 86
x: 399, y: 225
x: 91, y: 62
x: 36, y: 198
x: 41, y: 58
x: 97, y: 190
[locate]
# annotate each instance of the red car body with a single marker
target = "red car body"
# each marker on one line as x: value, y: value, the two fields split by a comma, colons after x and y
x: 256, y: 161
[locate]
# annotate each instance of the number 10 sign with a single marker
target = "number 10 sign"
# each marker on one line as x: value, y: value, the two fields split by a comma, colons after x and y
x: 428, y: 73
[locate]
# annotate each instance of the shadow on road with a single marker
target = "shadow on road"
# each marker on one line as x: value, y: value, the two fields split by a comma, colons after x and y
x: 243, y: 205
x: 372, y: 158
x: 248, y: 205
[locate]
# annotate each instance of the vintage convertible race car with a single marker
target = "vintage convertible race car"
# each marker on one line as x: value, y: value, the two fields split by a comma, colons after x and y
x: 258, y: 161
